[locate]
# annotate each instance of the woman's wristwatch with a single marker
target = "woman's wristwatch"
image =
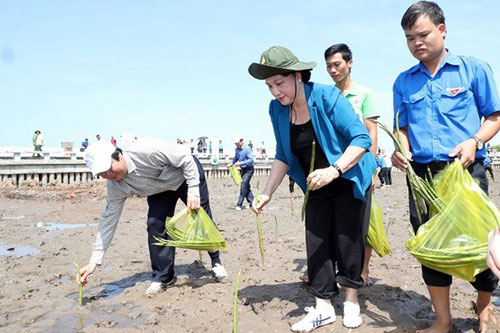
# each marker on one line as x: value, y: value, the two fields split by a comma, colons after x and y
x: 336, y: 166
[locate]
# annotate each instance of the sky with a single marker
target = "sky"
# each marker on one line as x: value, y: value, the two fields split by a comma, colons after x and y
x: 179, y: 69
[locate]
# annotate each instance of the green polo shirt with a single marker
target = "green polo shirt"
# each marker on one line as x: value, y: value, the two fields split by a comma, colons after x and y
x: 363, y: 101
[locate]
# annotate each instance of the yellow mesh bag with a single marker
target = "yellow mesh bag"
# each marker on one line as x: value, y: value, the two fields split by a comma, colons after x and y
x: 455, y: 240
x: 377, y: 237
x: 195, y: 230
x: 235, y: 174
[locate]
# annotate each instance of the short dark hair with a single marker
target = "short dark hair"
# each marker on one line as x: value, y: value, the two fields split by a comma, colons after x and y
x: 415, y: 11
x: 339, y: 48
x: 115, y: 154
x: 306, y: 75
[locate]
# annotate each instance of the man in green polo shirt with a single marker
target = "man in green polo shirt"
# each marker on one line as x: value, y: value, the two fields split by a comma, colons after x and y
x: 339, y: 62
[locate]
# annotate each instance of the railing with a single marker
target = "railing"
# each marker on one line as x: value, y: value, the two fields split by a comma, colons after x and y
x: 71, y: 169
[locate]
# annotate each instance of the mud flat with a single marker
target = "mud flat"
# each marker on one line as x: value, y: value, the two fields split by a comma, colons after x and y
x: 43, y: 231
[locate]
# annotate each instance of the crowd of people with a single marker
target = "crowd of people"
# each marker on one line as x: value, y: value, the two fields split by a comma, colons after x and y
x: 447, y: 106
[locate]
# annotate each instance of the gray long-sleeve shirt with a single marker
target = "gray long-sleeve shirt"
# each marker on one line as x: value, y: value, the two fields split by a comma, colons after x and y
x: 153, y: 166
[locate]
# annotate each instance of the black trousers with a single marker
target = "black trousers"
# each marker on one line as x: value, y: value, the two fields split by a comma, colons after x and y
x: 333, y: 235
x: 485, y: 281
x: 161, y: 206
x: 245, y: 191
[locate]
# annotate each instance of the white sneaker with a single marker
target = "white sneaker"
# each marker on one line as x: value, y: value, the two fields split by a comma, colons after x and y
x: 219, y: 272
x: 352, y: 315
x: 314, y: 319
x: 157, y: 287
x: 238, y: 208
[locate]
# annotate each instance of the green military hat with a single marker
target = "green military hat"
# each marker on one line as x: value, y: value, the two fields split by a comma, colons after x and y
x: 278, y: 60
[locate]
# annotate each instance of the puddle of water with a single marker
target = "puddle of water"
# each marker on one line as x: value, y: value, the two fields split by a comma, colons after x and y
x: 17, y: 250
x: 107, y: 290
x: 7, y: 217
x: 107, y: 268
x: 120, y: 317
x: 53, y: 226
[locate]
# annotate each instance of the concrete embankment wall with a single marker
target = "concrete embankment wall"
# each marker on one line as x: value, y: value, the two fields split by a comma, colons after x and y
x: 71, y: 171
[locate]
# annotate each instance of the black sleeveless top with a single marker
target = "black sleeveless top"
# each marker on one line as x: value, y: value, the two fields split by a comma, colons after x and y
x: 301, y: 138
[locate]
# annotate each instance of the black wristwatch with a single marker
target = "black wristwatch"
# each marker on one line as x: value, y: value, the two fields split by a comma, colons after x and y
x: 479, y: 142
x: 336, y: 166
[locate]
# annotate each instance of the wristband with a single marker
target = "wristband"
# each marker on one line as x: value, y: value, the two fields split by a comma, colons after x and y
x: 336, y: 166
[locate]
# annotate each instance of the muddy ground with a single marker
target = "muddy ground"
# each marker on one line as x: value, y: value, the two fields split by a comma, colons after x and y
x: 43, y: 231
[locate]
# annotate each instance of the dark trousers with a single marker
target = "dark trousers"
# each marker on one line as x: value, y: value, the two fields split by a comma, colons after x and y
x: 333, y: 234
x: 388, y: 176
x: 161, y: 206
x: 485, y: 281
x: 381, y: 176
x: 245, y: 191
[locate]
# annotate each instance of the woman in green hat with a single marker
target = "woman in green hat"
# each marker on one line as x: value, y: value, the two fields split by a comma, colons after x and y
x: 303, y: 112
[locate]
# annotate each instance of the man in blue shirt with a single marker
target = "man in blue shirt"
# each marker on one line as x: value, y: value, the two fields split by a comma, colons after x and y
x: 243, y: 158
x: 441, y: 103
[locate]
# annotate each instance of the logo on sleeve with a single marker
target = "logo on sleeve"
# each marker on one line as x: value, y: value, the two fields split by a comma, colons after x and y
x: 455, y: 91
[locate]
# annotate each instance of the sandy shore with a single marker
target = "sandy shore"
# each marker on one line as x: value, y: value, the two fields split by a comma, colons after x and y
x: 43, y: 231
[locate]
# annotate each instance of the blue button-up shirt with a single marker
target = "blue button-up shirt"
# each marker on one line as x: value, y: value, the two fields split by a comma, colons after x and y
x: 243, y: 155
x: 442, y: 111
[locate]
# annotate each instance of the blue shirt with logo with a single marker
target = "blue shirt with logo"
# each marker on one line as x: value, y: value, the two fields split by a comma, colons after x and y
x: 442, y: 111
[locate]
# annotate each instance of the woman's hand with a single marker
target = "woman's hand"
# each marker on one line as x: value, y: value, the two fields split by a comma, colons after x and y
x: 85, y: 272
x: 260, y: 202
x: 321, y: 177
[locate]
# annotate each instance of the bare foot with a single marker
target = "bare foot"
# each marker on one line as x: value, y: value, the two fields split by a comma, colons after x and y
x: 304, y: 279
x: 438, y: 328
x: 488, y: 320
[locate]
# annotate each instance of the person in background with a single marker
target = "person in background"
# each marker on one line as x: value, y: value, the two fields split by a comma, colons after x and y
x: 98, y: 137
x: 221, y: 148
x: 388, y: 168
x: 446, y: 106
x: 243, y: 158
x: 339, y: 64
x: 35, y: 135
x: 40, y: 141
x: 304, y: 112
x: 250, y: 144
x: 85, y: 144
x: 381, y: 164
x: 164, y: 173
x: 113, y: 141
x: 191, y: 145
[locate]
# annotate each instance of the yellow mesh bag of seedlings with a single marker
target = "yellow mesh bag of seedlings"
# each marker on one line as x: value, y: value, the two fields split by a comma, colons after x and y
x: 377, y: 237
x: 235, y: 174
x: 455, y: 240
x: 195, y: 231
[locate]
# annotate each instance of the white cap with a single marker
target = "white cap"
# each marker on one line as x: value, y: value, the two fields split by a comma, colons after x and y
x: 98, y: 156
x: 237, y: 138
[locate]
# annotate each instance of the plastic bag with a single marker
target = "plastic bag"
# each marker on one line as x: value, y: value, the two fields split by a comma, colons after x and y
x: 455, y: 240
x: 235, y: 174
x: 192, y: 231
x: 377, y: 237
